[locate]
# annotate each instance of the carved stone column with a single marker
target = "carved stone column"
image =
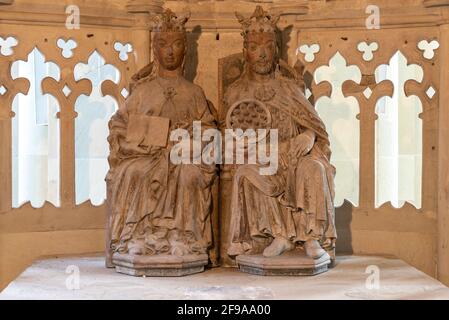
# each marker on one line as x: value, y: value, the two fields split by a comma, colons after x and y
x: 443, y: 156
x: 145, y: 6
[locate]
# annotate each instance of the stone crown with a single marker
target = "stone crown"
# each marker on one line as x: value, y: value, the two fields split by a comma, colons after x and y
x: 260, y: 21
x: 168, y: 21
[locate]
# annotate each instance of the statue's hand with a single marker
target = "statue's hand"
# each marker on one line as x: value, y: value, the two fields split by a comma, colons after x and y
x: 301, y: 145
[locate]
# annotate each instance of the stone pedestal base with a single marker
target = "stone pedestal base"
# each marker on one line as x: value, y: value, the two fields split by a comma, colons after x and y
x: 291, y: 263
x: 159, y: 265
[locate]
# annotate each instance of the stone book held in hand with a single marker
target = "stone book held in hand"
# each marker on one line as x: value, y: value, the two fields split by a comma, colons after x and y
x: 148, y: 131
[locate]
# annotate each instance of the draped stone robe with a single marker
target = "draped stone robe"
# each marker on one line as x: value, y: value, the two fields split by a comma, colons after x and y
x: 162, y: 205
x: 297, y: 202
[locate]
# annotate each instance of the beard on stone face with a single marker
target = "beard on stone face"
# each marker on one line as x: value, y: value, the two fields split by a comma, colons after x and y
x: 260, y: 52
x: 262, y: 66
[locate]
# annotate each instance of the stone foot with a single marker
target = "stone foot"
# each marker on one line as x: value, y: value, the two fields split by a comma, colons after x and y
x: 314, y: 250
x: 277, y: 247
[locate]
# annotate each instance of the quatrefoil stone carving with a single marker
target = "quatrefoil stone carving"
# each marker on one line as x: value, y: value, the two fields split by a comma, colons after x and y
x: 428, y: 48
x: 123, y: 50
x: 367, y: 50
x: 6, y: 45
x: 309, y: 51
x: 66, y: 47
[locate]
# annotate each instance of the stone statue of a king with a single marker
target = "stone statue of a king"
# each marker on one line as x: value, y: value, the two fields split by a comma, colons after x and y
x: 159, y: 211
x: 293, y: 208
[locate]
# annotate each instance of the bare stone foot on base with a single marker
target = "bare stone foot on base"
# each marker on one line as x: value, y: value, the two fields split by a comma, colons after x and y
x: 277, y: 247
x: 314, y: 250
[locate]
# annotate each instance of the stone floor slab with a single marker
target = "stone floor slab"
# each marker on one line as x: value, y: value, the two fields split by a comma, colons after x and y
x: 56, y: 279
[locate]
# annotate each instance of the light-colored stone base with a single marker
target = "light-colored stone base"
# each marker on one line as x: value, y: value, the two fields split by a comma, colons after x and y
x: 291, y: 263
x: 350, y: 279
x: 159, y: 265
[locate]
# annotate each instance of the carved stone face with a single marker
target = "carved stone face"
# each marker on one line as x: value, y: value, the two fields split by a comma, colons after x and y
x: 260, y: 51
x: 169, y: 49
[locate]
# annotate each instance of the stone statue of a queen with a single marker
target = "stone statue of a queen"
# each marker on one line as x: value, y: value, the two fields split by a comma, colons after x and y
x: 159, y: 211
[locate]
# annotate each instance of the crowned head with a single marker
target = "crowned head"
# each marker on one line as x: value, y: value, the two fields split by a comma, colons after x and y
x: 260, y: 35
x: 169, y: 40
